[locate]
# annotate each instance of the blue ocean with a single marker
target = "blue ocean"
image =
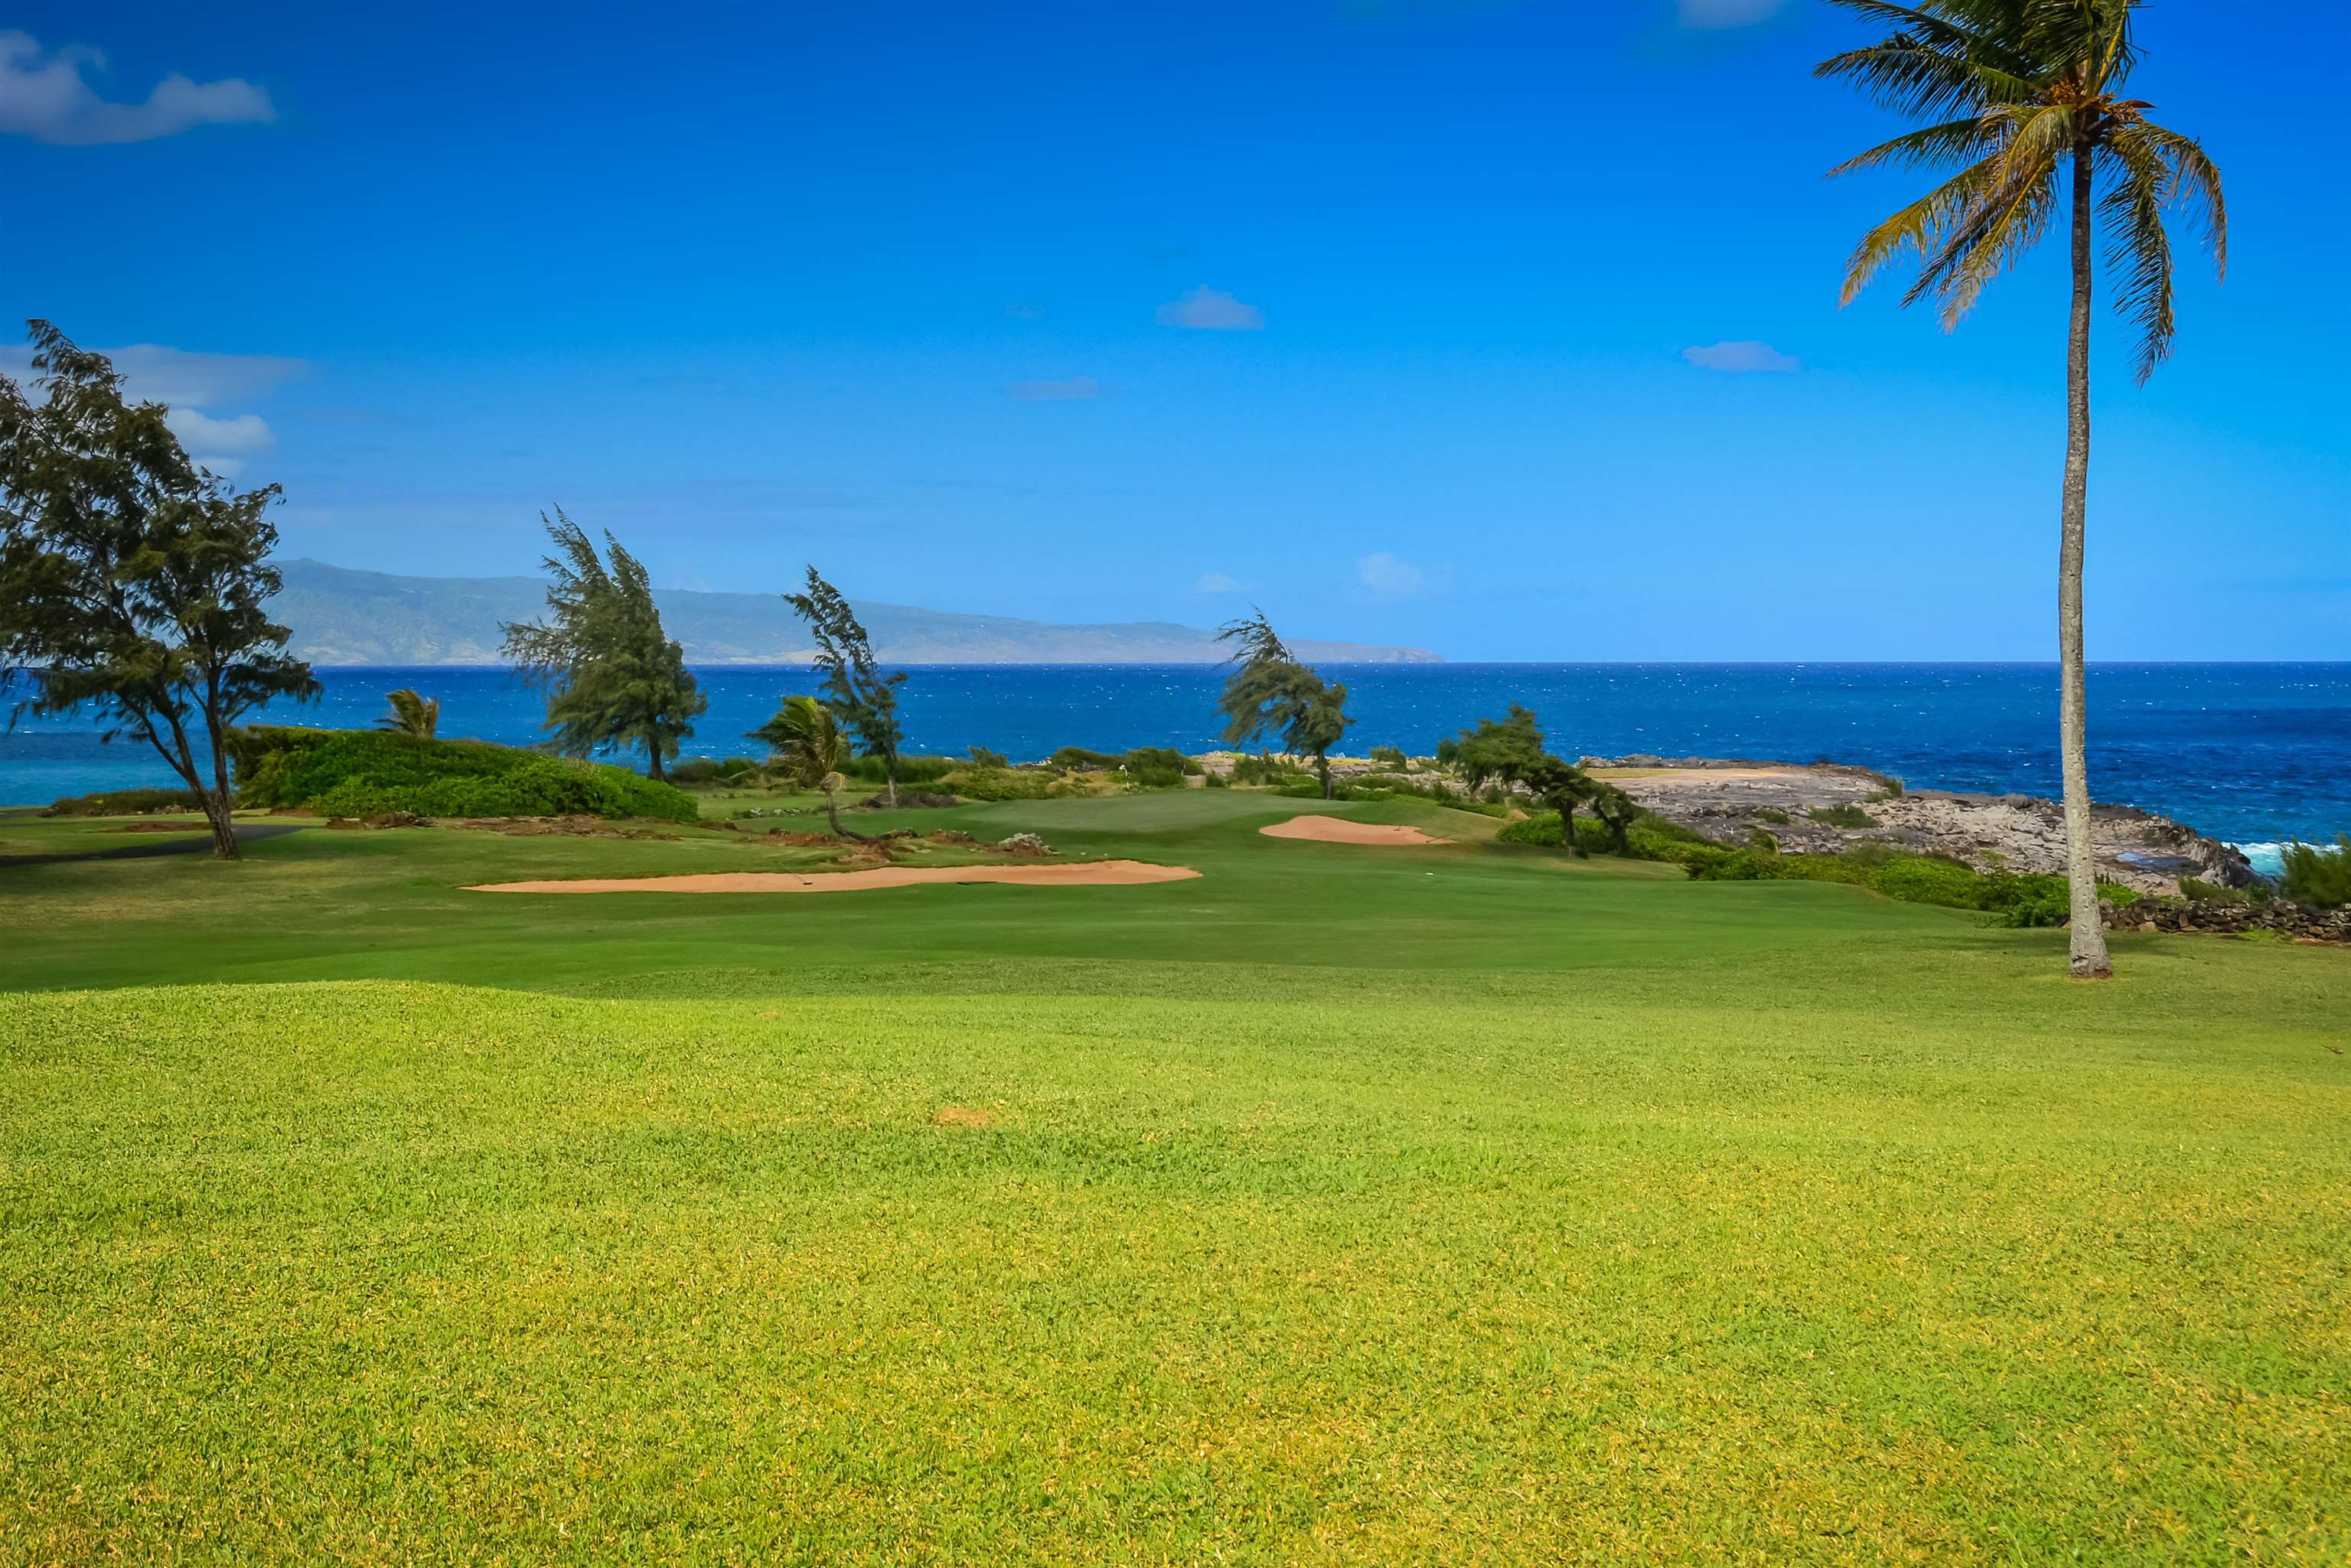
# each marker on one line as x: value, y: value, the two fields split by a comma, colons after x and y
x: 2251, y: 753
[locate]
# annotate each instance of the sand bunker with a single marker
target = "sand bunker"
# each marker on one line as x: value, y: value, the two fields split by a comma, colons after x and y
x: 1091, y: 873
x: 1340, y: 830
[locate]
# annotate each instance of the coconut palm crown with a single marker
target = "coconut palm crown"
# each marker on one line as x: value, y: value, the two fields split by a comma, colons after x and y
x: 2025, y: 104
x: 2019, y: 91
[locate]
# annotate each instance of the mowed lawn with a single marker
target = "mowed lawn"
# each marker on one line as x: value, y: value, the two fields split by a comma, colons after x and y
x: 1345, y: 1205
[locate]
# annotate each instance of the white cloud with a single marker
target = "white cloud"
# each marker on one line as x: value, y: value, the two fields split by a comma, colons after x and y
x: 46, y: 99
x: 1216, y: 582
x: 155, y: 373
x: 1076, y: 389
x: 1211, y: 309
x: 1389, y: 578
x: 184, y: 381
x: 1745, y: 357
x: 1725, y: 13
x: 245, y: 436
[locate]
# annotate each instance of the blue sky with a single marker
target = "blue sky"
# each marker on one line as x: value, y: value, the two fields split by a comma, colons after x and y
x: 1374, y: 312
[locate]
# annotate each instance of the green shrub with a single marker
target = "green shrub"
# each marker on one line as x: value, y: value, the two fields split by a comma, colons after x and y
x: 2317, y: 876
x: 1157, y: 778
x: 1762, y: 844
x: 1540, y: 828
x: 1079, y: 758
x: 126, y: 803
x: 1390, y: 755
x: 1264, y: 771
x: 1921, y: 879
x: 1842, y: 817
x: 999, y: 783
x: 362, y: 772
x: 1152, y: 759
x: 1300, y: 789
x: 1771, y: 814
x: 981, y: 757
x: 1216, y: 781
x: 911, y: 769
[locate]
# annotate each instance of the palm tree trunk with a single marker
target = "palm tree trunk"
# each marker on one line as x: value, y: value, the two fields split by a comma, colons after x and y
x: 2088, y: 932
x: 1323, y: 767
x: 832, y: 811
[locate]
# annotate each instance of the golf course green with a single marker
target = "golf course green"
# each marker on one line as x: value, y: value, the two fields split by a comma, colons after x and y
x: 1345, y: 1204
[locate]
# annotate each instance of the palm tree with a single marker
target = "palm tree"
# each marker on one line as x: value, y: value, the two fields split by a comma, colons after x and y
x: 412, y: 714
x: 808, y: 744
x: 2024, y: 98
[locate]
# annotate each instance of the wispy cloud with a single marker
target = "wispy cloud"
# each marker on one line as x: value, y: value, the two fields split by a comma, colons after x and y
x: 188, y: 383
x: 1712, y: 14
x: 44, y: 96
x: 1211, y: 309
x: 1076, y: 389
x: 1216, y: 582
x: 1385, y: 575
x: 1745, y: 357
x: 244, y: 435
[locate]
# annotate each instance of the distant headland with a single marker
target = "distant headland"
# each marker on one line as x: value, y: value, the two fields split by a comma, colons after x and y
x: 339, y: 616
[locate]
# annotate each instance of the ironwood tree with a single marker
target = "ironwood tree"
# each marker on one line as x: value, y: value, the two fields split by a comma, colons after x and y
x: 133, y: 583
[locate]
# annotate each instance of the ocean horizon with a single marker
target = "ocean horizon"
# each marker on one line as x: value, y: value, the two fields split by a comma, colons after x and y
x: 2254, y: 753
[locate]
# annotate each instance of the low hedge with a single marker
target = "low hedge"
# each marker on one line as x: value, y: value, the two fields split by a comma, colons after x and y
x: 362, y: 772
x: 126, y: 803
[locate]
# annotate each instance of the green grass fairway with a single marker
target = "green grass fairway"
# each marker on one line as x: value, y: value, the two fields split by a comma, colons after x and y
x: 1344, y: 1206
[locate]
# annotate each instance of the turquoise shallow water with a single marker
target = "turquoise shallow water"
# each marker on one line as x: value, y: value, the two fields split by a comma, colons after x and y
x: 2252, y: 753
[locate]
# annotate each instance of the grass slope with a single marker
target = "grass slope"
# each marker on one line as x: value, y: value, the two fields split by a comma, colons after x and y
x: 1344, y: 1205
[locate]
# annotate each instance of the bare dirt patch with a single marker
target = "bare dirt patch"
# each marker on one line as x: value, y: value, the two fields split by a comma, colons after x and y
x: 962, y: 1116
x: 1091, y: 873
x: 1340, y: 830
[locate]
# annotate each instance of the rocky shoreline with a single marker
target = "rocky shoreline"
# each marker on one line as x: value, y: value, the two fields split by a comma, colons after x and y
x: 1732, y: 798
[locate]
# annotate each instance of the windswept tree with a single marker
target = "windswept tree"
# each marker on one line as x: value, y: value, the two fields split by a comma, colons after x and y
x: 412, y: 714
x: 1504, y: 751
x: 1270, y: 694
x: 1562, y: 787
x: 807, y: 742
x: 2023, y: 101
x: 862, y: 696
x: 614, y: 677
x: 132, y: 582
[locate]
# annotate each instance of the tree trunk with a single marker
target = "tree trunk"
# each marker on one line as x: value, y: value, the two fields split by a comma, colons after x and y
x: 2088, y: 932
x: 653, y: 761
x: 1323, y: 767
x: 832, y: 812
x: 1567, y: 829
x: 217, y: 798
x: 890, y: 776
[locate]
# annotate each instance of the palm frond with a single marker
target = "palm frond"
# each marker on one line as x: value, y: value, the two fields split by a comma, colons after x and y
x: 2138, y: 248
x: 2195, y: 187
x: 1919, y: 83
x: 1945, y: 144
x: 1917, y: 227
x: 2012, y: 212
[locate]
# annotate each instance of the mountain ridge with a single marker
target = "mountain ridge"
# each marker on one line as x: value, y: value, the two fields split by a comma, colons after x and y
x: 341, y: 615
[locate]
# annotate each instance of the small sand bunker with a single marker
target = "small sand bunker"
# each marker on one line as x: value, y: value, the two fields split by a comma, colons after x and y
x: 1340, y: 830
x: 1091, y: 873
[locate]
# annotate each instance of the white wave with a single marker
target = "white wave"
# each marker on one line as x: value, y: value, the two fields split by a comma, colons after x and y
x: 2269, y: 860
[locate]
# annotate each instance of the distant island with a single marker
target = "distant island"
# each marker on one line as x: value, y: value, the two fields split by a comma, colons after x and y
x: 339, y: 616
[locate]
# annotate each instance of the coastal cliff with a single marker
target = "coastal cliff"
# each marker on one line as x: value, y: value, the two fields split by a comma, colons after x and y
x: 1730, y: 800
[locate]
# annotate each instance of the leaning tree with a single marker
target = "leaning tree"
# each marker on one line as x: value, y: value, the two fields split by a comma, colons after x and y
x: 2025, y: 102
x: 133, y: 583
x: 615, y: 677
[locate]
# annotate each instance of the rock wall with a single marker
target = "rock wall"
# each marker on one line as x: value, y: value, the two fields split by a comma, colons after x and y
x: 2227, y: 917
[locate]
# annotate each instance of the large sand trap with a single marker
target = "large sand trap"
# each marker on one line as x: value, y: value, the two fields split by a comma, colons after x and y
x: 1340, y: 830
x: 1089, y: 874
